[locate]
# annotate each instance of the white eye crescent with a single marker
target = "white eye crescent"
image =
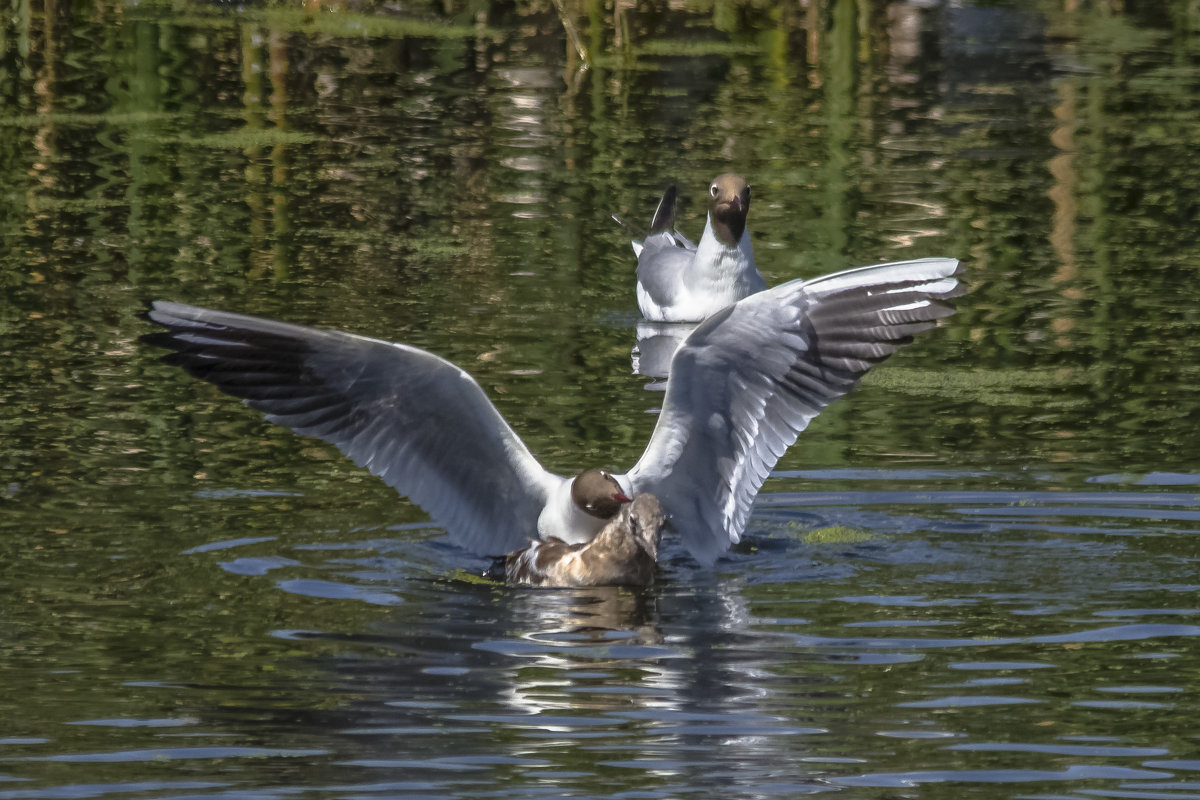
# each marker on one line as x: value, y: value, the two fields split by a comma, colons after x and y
x: 713, y: 190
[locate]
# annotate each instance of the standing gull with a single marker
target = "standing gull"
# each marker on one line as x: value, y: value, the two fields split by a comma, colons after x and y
x: 678, y: 281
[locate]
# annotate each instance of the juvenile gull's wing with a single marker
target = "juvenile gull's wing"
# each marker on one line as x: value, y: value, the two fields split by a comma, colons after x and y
x: 748, y: 380
x: 416, y: 420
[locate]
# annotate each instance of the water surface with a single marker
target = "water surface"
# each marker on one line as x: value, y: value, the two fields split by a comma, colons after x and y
x: 973, y: 576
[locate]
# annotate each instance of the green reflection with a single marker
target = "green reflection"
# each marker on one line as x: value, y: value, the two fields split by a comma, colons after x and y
x: 447, y: 181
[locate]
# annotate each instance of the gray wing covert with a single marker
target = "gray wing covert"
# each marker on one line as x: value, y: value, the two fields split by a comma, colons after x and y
x: 661, y: 266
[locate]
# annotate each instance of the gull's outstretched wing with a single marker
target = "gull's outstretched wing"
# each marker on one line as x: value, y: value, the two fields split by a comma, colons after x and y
x: 749, y: 379
x: 414, y: 419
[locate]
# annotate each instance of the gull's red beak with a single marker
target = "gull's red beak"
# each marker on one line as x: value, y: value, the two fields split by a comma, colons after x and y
x: 620, y: 497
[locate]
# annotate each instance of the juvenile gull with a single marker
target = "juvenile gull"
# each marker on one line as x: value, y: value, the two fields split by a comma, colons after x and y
x: 623, y: 552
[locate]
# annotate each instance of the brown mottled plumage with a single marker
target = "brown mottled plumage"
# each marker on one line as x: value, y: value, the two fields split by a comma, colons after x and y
x: 624, y: 552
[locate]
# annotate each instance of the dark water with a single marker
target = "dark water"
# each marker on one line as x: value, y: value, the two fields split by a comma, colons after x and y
x: 974, y: 577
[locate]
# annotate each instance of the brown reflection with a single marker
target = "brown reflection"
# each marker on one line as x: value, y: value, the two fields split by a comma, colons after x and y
x: 270, y: 219
x: 252, y: 99
x: 41, y: 171
x: 277, y: 55
x: 1063, y: 193
x: 604, y: 649
x: 576, y: 48
x: 589, y: 614
x: 585, y: 629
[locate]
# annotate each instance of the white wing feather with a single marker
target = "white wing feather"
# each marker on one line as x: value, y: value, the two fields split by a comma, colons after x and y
x: 417, y: 421
x: 748, y: 380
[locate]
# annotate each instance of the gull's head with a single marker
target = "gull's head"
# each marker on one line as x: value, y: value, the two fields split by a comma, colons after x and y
x: 596, y: 492
x: 728, y: 204
x: 646, y: 521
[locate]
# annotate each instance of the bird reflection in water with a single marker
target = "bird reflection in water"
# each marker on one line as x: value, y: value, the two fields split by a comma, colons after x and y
x: 586, y: 660
x: 583, y: 649
x: 656, y: 344
x: 588, y: 615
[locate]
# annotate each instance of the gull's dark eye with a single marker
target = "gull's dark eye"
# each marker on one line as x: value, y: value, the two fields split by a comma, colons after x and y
x: 713, y: 190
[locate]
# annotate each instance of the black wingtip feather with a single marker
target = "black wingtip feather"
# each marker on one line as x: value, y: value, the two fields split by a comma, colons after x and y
x: 664, y: 215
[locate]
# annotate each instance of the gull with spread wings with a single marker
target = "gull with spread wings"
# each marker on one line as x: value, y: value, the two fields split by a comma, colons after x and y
x: 742, y: 387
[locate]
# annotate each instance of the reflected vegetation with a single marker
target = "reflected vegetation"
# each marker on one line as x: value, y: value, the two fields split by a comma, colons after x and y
x: 977, y: 570
x: 451, y: 173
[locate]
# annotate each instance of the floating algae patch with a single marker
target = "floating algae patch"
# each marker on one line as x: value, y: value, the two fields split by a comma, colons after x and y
x: 69, y: 119
x: 692, y: 48
x: 835, y: 534
x: 998, y: 387
x: 234, y: 140
x: 644, y: 57
x: 327, y: 22
x: 365, y: 25
x: 465, y: 576
x: 44, y: 202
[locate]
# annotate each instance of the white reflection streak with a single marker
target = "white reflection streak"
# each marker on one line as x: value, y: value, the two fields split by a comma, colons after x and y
x: 524, y: 114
